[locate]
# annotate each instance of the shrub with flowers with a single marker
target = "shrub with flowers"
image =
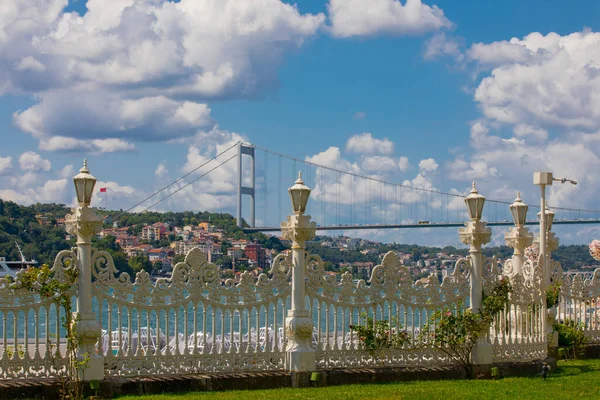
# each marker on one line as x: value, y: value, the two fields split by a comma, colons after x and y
x: 456, y: 331
x: 595, y: 249
x: 377, y: 335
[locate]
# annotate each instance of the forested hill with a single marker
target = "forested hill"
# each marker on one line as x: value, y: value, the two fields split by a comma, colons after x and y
x: 42, y: 241
x: 19, y: 224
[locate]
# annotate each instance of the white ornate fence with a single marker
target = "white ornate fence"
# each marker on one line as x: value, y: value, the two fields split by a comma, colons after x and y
x: 517, y: 332
x: 191, y: 322
x: 32, y: 342
x: 580, y: 302
x: 196, y: 322
x: 391, y: 293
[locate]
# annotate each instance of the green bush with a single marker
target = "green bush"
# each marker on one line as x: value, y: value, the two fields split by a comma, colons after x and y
x: 377, y: 335
x: 456, y: 331
x: 571, y: 335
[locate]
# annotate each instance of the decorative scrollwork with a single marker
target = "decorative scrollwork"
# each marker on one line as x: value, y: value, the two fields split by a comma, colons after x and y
x: 389, y: 281
x: 194, y: 278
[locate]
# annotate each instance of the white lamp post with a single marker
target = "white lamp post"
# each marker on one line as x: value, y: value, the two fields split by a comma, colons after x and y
x: 518, y: 237
x: 475, y: 234
x: 543, y: 179
x: 546, y: 218
x: 298, y: 228
x: 85, y: 222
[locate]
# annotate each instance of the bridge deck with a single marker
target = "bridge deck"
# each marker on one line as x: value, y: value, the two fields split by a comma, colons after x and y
x: 421, y: 225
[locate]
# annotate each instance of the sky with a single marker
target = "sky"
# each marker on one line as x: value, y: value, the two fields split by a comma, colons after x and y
x: 432, y: 94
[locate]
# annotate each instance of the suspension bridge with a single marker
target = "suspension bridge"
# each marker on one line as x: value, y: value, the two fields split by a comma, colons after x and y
x: 342, y: 198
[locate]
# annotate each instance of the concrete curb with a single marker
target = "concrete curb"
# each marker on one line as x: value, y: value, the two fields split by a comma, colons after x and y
x: 111, y: 387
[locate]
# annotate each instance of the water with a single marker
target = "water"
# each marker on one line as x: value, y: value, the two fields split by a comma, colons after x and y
x: 236, y: 321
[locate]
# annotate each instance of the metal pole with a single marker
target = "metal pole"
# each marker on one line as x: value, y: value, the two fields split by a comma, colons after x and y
x: 542, y: 259
x: 253, y: 184
x: 476, y: 276
x: 239, y: 187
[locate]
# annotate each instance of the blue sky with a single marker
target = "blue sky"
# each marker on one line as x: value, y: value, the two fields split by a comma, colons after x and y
x: 432, y: 94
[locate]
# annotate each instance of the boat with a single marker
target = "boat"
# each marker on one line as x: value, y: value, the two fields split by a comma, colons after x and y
x: 10, y: 268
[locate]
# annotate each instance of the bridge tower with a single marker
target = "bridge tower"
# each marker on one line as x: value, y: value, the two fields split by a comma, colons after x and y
x: 248, y: 190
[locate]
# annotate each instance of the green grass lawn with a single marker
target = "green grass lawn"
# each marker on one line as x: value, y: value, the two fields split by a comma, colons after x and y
x: 573, y: 380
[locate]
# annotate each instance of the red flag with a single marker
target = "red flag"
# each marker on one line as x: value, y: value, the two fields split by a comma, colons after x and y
x: 102, y: 190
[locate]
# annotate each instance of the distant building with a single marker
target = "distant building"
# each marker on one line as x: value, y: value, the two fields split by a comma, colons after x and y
x: 127, y: 241
x: 42, y: 219
x: 154, y: 232
x: 234, y: 253
x: 206, y: 226
x: 256, y: 253
x: 157, y: 255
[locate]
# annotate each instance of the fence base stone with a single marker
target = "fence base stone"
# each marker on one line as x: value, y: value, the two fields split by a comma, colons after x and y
x: 111, y: 387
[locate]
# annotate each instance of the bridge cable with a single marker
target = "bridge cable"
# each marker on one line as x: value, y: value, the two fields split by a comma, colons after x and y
x: 193, y: 181
x: 412, y: 187
x: 177, y: 180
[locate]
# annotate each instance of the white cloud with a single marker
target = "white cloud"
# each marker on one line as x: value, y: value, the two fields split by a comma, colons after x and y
x: 498, y: 53
x: 403, y: 164
x: 365, y: 143
x: 5, y: 164
x: 440, y: 45
x: 379, y: 164
x: 31, y: 161
x: 119, y: 196
x: 140, y: 70
x: 67, y: 144
x: 542, y: 81
x: 428, y: 165
x: 52, y: 191
x: 356, y: 18
x: 524, y: 131
x: 107, y: 116
x: 161, y: 171
x: 31, y: 64
x: 478, y: 169
x: 540, y: 112
x: 68, y: 171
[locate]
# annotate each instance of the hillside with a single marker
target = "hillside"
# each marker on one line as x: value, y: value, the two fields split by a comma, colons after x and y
x: 40, y: 231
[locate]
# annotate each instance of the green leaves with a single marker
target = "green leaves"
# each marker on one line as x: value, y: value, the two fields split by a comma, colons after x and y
x: 456, y: 331
x: 382, y: 334
x: 571, y: 334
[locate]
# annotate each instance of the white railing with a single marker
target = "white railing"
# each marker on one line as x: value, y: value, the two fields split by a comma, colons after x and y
x: 517, y: 332
x: 190, y: 322
x: 197, y: 322
x: 32, y: 332
x: 391, y: 294
x: 580, y: 302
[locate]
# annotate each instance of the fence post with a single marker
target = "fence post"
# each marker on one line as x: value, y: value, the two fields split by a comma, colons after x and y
x: 85, y: 222
x: 300, y: 356
x: 518, y: 237
x: 475, y: 234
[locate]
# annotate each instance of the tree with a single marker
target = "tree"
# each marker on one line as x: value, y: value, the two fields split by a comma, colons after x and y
x: 139, y: 263
x: 157, y: 266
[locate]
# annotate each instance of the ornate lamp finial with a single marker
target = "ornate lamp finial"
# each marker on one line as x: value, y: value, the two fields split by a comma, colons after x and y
x: 473, y: 188
x: 84, y: 169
